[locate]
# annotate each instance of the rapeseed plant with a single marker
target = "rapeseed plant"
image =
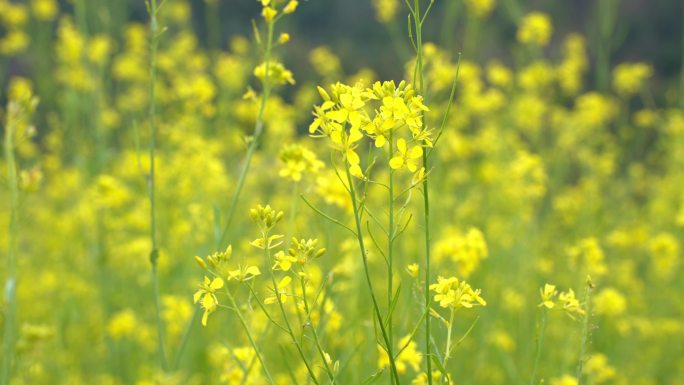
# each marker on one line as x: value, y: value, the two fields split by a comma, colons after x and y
x: 437, y: 203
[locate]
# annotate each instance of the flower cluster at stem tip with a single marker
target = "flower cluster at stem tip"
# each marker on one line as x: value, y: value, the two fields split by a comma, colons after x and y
x: 396, y: 121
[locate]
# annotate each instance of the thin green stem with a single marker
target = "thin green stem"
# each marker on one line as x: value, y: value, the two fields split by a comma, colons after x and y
x: 331, y: 374
x: 447, y: 352
x: 606, y: 14
x: 585, y: 331
x: 258, y: 131
x: 390, y: 243
x: 256, y: 138
x: 154, y: 254
x: 249, y: 335
x: 267, y: 251
x: 426, y: 196
x: 364, y: 257
x: 10, y: 313
x: 540, y: 344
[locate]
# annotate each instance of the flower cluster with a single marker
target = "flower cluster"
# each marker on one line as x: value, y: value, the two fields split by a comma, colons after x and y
x: 297, y: 161
x: 455, y: 294
x: 344, y: 119
x: 550, y: 297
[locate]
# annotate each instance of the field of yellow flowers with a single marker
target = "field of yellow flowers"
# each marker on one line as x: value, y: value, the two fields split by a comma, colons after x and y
x: 178, y: 211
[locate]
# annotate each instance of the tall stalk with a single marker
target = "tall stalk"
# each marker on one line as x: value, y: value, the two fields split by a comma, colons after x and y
x: 154, y: 254
x: 607, y: 10
x: 390, y: 243
x: 256, y: 138
x: 585, y: 331
x: 540, y: 344
x: 250, y: 337
x: 364, y: 257
x: 253, y: 144
x: 290, y: 331
x: 10, y: 314
x: 418, y: 22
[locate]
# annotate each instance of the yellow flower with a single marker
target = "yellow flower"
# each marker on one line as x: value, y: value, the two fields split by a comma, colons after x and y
x: 269, y: 14
x: 535, y: 28
x: 409, y: 356
x: 480, y: 8
x: 598, y: 369
x: 405, y: 156
x: 349, y: 109
x: 290, y: 7
x: 45, y: 10
x: 279, y: 290
x: 564, y: 380
x: 244, y: 273
x: 385, y: 10
x: 629, y: 78
x: 283, y: 38
x: 206, y: 296
x: 570, y: 304
x: 276, y: 73
x: 452, y: 293
x: 298, y: 160
x: 548, y: 293
x: 283, y: 261
x: 610, y: 302
x: 413, y: 270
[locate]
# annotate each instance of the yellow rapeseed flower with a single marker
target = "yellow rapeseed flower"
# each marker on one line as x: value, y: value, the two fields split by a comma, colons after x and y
x: 206, y: 296
x: 548, y: 294
x: 535, y: 28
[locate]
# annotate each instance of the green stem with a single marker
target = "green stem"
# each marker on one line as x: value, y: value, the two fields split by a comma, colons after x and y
x: 364, y: 257
x: 258, y: 131
x: 426, y: 196
x: 154, y: 254
x: 606, y: 26
x: 329, y: 371
x: 213, y: 19
x: 267, y: 251
x: 447, y: 353
x: 390, y: 243
x: 585, y: 332
x: 540, y: 344
x: 10, y: 313
x: 249, y: 335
